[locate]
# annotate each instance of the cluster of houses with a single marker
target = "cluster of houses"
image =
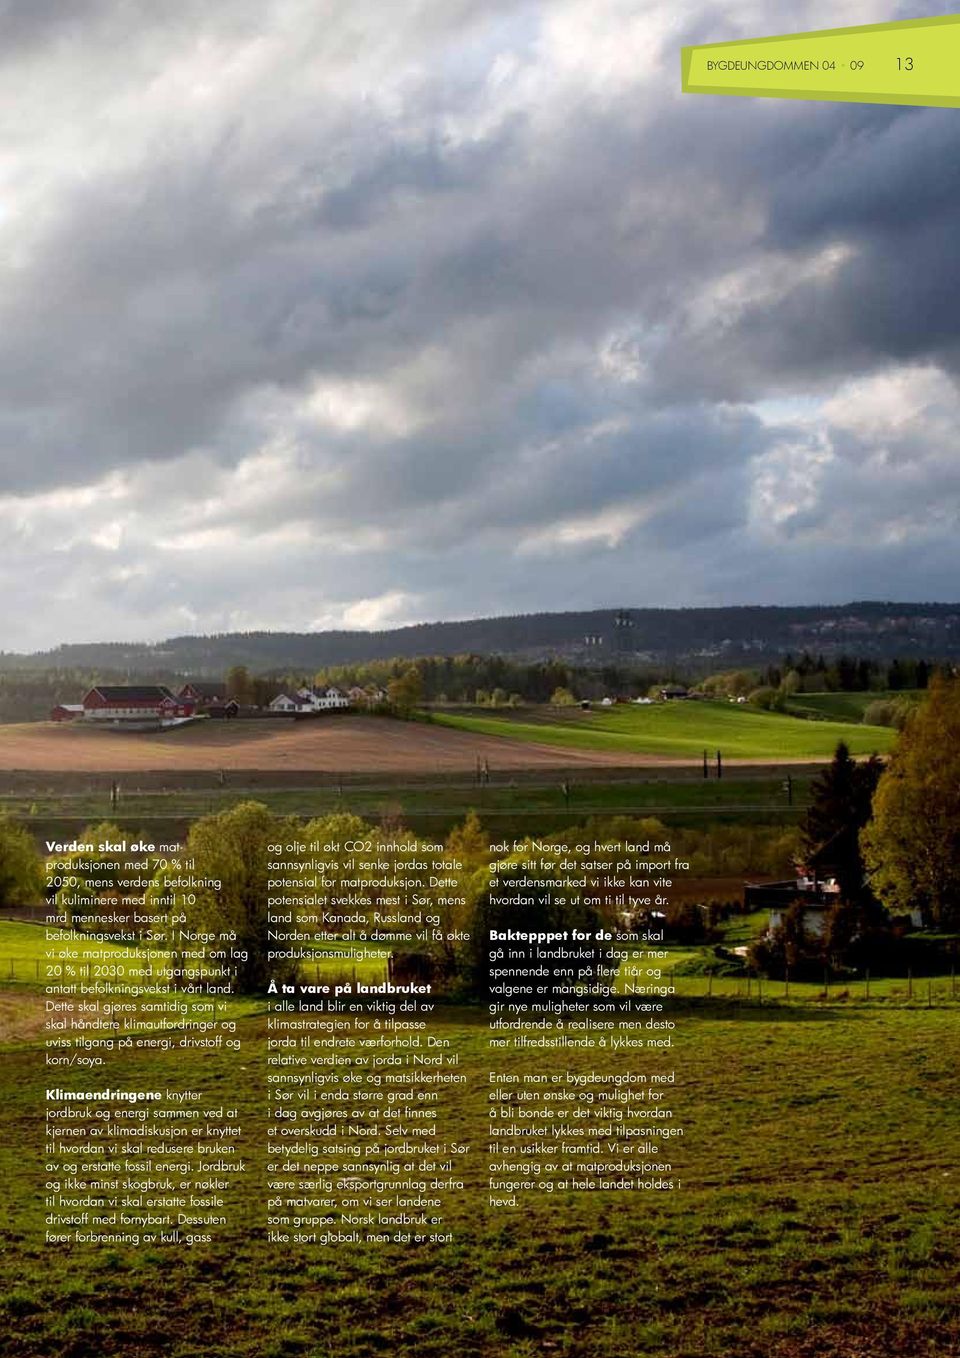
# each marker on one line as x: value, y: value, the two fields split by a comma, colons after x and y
x: 311, y: 700
x: 150, y: 705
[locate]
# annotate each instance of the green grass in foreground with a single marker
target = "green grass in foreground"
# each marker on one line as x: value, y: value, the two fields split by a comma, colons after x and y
x: 817, y: 1216
x: 678, y: 730
x: 504, y: 804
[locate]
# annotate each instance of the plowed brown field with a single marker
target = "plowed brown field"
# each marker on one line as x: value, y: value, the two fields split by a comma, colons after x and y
x: 347, y: 744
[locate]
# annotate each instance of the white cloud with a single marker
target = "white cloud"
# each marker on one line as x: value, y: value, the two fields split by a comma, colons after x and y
x: 392, y: 609
x: 312, y: 318
x: 608, y: 529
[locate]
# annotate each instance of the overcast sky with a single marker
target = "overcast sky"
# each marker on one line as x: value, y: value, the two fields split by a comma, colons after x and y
x: 324, y: 314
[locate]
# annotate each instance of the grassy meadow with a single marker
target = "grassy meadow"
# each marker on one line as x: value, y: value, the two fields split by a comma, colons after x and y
x: 506, y: 804
x: 677, y: 730
x: 816, y: 1213
x: 849, y: 707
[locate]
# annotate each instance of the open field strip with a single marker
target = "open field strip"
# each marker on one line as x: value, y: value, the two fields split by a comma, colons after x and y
x: 679, y: 730
x: 450, y: 741
x: 331, y: 744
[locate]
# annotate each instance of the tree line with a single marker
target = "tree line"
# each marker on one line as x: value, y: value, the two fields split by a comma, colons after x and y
x: 486, y: 679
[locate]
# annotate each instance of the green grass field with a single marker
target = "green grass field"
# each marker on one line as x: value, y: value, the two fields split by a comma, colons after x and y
x: 505, y: 804
x: 817, y: 1216
x: 679, y: 730
x: 845, y: 707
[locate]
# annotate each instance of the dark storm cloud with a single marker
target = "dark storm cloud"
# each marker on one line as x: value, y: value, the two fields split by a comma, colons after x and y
x: 894, y: 194
x: 305, y: 316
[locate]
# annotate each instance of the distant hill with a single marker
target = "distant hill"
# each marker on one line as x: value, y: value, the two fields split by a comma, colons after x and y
x: 712, y: 637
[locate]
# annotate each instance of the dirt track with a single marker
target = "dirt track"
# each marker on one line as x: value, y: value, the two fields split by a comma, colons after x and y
x: 336, y: 744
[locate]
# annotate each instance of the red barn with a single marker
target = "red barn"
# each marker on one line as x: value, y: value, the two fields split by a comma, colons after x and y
x: 66, y: 711
x: 133, y: 702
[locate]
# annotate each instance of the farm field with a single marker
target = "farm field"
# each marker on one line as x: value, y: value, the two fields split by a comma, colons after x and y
x: 688, y: 969
x: 450, y: 742
x: 504, y: 805
x: 329, y: 744
x: 817, y: 1214
x: 817, y: 1218
x: 845, y: 706
x: 677, y: 730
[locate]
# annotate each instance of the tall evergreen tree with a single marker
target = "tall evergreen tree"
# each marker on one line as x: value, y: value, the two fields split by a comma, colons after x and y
x: 840, y: 801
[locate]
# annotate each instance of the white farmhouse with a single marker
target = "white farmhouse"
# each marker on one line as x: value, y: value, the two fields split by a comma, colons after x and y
x: 321, y: 700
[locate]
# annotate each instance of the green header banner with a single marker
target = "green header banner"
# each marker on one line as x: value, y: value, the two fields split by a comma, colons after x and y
x: 913, y: 61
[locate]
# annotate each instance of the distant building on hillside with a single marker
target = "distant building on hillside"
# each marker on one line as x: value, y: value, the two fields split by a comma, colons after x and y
x: 204, y: 693
x: 66, y: 712
x: 322, y: 699
x: 371, y: 696
x: 817, y: 895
